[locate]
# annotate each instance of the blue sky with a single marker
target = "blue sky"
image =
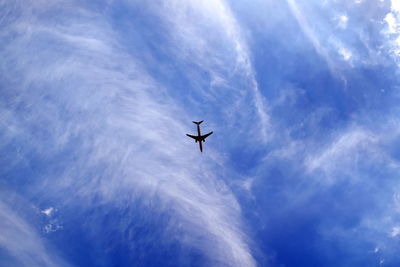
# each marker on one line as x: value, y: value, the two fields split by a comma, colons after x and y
x: 302, y: 168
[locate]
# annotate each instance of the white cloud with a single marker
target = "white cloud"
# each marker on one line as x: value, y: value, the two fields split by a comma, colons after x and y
x: 395, y: 5
x: 213, y: 21
x: 48, y: 212
x: 319, y: 47
x: 304, y: 25
x: 395, y: 231
x: 349, y: 152
x: 396, y: 200
x: 392, y: 20
x: 52, y: 224
x: 342, y: 153
x: 345, y: 53
x: 342, y: 21
x: 22, y: 242
x: 129, y: 130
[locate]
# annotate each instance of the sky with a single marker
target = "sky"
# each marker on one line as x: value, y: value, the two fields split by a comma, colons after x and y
x: 302, y: 168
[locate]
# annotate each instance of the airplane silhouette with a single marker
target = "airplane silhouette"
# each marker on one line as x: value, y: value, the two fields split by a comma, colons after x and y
x: 199, y: 138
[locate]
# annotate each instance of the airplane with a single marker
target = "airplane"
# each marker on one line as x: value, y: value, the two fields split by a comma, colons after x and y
x: 199, y: 138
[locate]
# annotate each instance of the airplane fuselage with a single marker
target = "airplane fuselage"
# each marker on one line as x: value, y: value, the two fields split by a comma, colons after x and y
x: 199, y: 135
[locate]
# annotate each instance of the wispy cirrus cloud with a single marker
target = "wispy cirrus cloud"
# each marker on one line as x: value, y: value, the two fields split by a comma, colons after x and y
x: 108, y: 129
x: 22, y: 242
x: 345, y: 149
x: 198, y: 26
x: 304, y: 25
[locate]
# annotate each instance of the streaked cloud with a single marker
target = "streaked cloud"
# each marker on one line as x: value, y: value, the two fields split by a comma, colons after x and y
x: 340, y: 149
x: 120, y: 122
x: 97, y: 98
x: 215, y: 22
x: 304, y: 25
x: 23, y: 243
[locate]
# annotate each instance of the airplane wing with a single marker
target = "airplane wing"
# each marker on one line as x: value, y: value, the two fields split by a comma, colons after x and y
x: 203, y: 137
x: 192, y: 136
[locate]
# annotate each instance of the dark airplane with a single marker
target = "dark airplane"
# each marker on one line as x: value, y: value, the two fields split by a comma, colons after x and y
x: 199, y: 138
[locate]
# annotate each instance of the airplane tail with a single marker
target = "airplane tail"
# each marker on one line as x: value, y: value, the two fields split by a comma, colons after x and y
x: 198, y: 123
